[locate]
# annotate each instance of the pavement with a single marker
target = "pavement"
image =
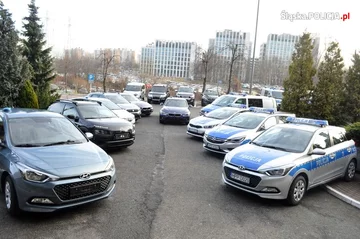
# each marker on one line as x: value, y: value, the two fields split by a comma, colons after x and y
x: 169, y: 187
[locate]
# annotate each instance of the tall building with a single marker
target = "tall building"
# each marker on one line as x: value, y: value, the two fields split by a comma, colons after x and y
x: 168, y: 59
x: 225, y: 43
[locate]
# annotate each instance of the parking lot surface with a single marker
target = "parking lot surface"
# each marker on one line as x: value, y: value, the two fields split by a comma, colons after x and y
x: 169, y: 187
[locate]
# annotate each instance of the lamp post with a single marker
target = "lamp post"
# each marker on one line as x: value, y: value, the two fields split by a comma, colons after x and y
x: 253, y: 57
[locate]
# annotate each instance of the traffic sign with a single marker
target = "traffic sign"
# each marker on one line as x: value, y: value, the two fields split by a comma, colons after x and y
x: 91, y: 78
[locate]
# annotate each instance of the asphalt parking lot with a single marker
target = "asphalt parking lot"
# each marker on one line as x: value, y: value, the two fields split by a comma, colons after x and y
x: 169, y: 187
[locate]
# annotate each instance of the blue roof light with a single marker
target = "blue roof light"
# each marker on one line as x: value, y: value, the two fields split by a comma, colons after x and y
x: 315, y: 122
x: 242, y: 106
x: 261, y: 110
x: 7, y: 110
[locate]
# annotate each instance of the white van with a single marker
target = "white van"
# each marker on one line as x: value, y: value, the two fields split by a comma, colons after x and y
x: 256, y: 101
x: 277, y: 94
x: 137, y: 89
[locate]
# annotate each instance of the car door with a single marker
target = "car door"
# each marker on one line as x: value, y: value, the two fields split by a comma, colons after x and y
x: 322, y: 166
x: 342, y: 149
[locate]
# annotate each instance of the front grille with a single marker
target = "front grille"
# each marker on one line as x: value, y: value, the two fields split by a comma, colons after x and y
x: 156, y: 97
x: 177, y: 115
x: 146, y: 109
x: 195, y: 126
x: 254, y: 180
x: 132, y: 111
x: 215, y: 140
x: 64, y: 191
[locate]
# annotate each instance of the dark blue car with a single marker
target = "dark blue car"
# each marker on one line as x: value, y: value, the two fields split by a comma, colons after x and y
x: 175, y: 110
x: 46, y: 163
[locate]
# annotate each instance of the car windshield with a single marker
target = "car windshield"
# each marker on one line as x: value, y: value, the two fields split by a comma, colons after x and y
x: 176, y: 103
x: 277, y: 94
x: 95, y: 111
x: 129, y: 97
x: 222, y: 113
x: 186, y: 89
x: 43, y: 131
x: 224, y: 100
x: 245, y: 121
x: 161, y: 89
x: 210, y: 92
x: 117, y: 99
x: 110, y: 105
x: 133, y: 88
x: 285, y: 139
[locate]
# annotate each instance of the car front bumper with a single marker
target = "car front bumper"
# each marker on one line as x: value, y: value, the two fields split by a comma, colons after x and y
x: 157, y: 98
x: 137, y: 114
x: 109, y: 141
x: 220, y: 146
x: 146, y: 111
x: 59, y: 192
x: 170, y: 118
x: 196, y: 132
x: 258, y: 182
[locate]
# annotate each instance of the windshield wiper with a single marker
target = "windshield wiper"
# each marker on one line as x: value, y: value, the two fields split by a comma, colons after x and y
x: 275, y: 147
x: 26, y: 145
x: 63, y: 142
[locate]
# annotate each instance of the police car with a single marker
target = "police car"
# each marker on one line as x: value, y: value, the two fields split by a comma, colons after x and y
x: 200, y: 124
x: 242, y: 128
x: 289, y: 159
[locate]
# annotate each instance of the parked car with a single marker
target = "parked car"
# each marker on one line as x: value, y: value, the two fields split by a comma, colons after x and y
x: 109, y: 131
x: 175, y: 110
x: 209, y: 96
x: 136, y: 89
x: 120, y: 101
x: 146, y: 108
x: 275, y: 93
x: 289, y: 159
x: 158, y: 93
x: 47, y: 164
x: 121, y: 113
x: 188, y: 93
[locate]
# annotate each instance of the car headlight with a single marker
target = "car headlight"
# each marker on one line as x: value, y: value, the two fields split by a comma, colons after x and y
x: 163, y: 113
x: 236, y: 140
x: 227, y: 158
x: 210, y: 126
x: 101, y: 131
x: 162, y: 96
x: 278, y: 171
x: 186, y: 115
x: 111, y: 165
x: 34, y: 175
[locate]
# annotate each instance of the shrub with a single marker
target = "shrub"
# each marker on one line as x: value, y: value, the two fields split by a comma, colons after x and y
x: 27, y: 96
x: 353, y: 132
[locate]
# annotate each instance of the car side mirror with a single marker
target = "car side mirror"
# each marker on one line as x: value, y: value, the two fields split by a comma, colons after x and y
x: 89, y: 135
x: 73, y: 117
x: 262, y: 128
x: 318, y: 151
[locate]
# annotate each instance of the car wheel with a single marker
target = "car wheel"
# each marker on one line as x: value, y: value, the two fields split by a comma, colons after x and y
x: 11, y: 201
x: 161, y: 121
x: 350, y: 171
x: 297, y: 191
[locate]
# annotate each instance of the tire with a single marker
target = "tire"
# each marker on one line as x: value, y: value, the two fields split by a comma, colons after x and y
x: 11, y: 201
x: 350, y: 171
x: 161, y: 121
x: 299, y: 185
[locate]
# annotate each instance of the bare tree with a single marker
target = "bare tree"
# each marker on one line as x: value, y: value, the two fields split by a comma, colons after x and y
x: 106, y: 57
x: 236, y: 53
x: 207, y: 63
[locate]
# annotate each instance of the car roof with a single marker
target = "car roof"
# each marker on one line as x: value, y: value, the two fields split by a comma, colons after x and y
x: 78, y: 102
x: 24, y: 113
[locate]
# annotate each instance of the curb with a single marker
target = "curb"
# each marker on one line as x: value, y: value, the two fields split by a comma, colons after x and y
x: 342, y: 196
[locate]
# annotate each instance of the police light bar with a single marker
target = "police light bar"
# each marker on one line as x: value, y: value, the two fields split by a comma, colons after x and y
x: 242, y: 106
x: 261, y: 110
x: 6, y: 110
x: 315, y: 122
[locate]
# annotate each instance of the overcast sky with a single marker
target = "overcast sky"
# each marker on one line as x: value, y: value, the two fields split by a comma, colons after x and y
x: 135, y: 23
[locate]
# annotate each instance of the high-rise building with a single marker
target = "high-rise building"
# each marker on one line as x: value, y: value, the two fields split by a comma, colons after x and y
x: 168, y: 59
x: 227, y: 44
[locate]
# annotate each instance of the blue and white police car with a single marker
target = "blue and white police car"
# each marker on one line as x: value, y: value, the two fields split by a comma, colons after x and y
x: 241, y: 129
x: 200, y: 124
x: 289, y: 159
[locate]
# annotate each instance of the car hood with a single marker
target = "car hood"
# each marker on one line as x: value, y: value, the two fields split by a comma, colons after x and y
x: 65, y: 160
x: 176, y: 110
x: 209, y: 108
x: 129, y: 106
x: 201, y: 120
x: 141, y: 104
x: 254, y: 157
x: 123, y: 114
x: 114, y: 124
x: 224, y: 131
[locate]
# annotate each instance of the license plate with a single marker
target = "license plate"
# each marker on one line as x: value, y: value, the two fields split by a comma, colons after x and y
x: 80, y: 190
x: 122, y: 136
x: 240, y: 178
x: 213, y: 146
x: 193, y: 130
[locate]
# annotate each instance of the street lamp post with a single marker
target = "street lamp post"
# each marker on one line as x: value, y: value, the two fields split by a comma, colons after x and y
x: 253, y: 57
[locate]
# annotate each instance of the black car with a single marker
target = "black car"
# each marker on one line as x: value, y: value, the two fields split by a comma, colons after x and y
x: 188, y: 93
x: 158, y: 93
x: 109, y: 131
x: 209, y: 96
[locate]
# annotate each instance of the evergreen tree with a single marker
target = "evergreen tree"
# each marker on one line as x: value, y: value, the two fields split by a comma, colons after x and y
x: 27, y: 97
x: 10, y: 70
x: 328, y: 92
x: 299, y: 84
x: 38, y: 56
x: 351, y: 109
